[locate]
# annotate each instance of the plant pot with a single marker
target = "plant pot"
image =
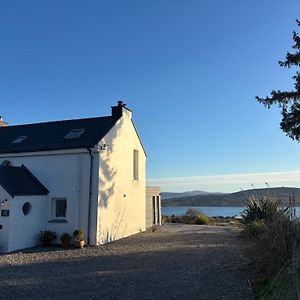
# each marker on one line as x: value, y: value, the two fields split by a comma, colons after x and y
x: 65, y: 244
x: 79, y: 244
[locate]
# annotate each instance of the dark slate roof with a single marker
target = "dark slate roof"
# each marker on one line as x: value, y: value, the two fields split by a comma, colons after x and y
x: 50, y: 135
x: 19, y: 181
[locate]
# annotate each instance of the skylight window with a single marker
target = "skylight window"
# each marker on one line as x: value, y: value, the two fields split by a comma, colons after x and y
x: 74, y: 134
x: 19, y: 139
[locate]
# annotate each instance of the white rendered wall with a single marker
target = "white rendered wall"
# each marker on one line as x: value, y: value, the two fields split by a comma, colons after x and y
x: 4, y: 221
x: 122, y: 200
x: 65, y: 176
x: 24, y: 230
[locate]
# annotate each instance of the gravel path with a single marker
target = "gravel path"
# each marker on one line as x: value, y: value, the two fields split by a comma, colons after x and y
x: 175, y: 262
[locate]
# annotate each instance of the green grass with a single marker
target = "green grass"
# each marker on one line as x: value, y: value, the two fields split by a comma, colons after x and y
x: 277, y: 288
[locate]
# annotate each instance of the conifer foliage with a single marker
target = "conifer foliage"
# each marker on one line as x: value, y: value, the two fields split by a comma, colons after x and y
x: 288, y: 101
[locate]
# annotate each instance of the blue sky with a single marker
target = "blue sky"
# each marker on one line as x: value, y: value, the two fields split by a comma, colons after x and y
x: 189, y: 70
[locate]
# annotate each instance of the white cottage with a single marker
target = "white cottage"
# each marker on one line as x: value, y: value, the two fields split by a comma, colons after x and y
x: 86, y: 173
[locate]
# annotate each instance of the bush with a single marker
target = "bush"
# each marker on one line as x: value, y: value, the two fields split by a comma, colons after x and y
x: 254, y: 229
x: 47, y: 237
x: 192, y: 216
x: 262, y: 208
x: 202, y: 220
x: 272, y: 248
x: 65, y: 239
x: 272, y: 236
x: 78, y: 234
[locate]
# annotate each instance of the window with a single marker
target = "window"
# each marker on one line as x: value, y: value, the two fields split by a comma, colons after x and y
x: 6, y: 163
x: 135, y: 164
x: 59, y: 208
x: 158, y: 209
x: 75, y: 133
x: 153, y: 210
x: 19, y: 139
x: 26, y: 208
x: 5, y: 213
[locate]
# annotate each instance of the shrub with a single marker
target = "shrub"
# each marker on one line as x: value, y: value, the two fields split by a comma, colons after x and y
x: 47, y: 237
x: 272, y: 248
x: 193, y: 213
x: 262, y: 208
x: 78, y: 234
x: 272, y: 236
x: 65, y: 239
x: 192, y: 216
x: 201, y: 220
x: 254, y: 229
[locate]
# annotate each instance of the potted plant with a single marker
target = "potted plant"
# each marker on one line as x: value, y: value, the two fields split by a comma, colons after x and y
x: 78, y: 238
x: 65, y: 240
x: 47, y: 237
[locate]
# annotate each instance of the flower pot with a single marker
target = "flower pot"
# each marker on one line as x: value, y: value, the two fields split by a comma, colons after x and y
x: 79, y: 243
x: 65, y: 243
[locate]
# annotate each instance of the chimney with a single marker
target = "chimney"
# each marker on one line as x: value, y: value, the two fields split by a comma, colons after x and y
x: 120, y: 110
x: 2, y: 123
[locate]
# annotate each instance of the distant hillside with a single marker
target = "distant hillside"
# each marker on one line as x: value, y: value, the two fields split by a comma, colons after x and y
x: 234, y: 199
x: 167, y: 195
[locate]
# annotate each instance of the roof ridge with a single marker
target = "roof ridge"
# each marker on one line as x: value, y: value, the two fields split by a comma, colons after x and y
x: 47, y: 136
x: 59, y: 121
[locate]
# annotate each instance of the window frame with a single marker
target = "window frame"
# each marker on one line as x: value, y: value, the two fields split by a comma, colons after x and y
x: 75, y: 134
x: 135, y: 164
x: 54, y: 207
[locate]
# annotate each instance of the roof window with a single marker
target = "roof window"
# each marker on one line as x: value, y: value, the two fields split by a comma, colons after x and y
x: 19, y: 139
x: 74, y: 134
x: 6, y: 163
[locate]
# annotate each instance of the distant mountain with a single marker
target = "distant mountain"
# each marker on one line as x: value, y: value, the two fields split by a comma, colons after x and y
x: 233, y: 199
x: 167, y: 195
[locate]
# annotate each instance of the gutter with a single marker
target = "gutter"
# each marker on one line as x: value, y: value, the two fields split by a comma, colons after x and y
x: 90, y: 194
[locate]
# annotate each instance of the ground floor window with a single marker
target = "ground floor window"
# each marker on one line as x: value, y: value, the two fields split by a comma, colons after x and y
x: 26, y: 208
x: 59, y: 208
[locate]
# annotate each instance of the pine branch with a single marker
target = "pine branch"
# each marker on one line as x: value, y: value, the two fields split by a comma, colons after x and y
x: 296, y: 38
x: 292, y: 59
x: 288, y: 101
x: 280, y: 98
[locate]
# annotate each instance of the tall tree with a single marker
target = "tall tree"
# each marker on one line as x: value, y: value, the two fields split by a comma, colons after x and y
x: 288, y: 101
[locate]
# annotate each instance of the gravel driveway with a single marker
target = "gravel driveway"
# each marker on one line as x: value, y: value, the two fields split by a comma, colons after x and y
x: 175, y: 262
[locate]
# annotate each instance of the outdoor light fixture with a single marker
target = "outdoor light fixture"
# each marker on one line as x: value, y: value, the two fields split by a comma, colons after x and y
x: 103, y: 147
x: 3, y: 202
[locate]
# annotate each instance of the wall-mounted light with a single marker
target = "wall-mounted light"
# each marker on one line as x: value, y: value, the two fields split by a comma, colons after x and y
x: 103, y: 147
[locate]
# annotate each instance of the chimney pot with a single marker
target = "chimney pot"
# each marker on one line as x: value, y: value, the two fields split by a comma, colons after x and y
x: 121, y: 103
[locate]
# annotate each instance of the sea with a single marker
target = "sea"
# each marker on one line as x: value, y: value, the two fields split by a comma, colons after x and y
x: 211, y: 211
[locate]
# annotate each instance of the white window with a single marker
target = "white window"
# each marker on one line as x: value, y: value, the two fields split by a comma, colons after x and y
x: 75, y: 133
x: 135, y: 164
x: 59, y: 208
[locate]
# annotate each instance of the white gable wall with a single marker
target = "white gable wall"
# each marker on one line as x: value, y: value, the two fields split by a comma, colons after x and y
x: 121, y: 202
x: 118, y: 201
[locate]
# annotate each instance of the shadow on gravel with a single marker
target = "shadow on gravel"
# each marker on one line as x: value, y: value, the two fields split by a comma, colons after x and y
x: 181, y: 271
